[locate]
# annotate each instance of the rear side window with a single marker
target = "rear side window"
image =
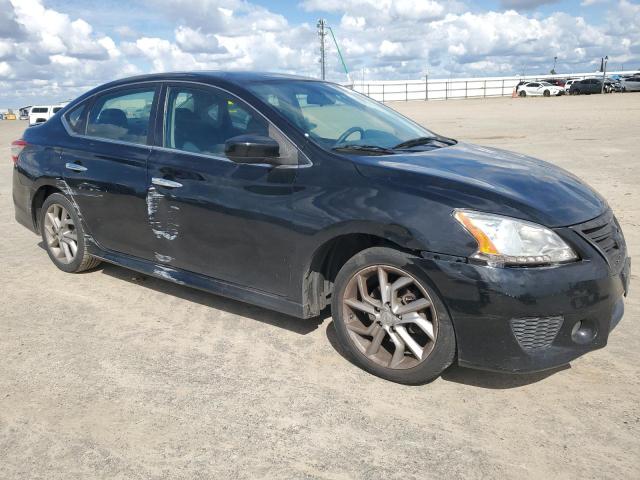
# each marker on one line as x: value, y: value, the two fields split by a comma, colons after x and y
x: 123, y: 115
x: 75, y: 118
x: 39, y: 110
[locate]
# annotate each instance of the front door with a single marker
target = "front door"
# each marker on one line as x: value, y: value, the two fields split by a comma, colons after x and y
x: 105, y: 167
x: 209, y: 214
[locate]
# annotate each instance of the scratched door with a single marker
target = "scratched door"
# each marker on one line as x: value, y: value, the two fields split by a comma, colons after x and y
x: 224, y: 220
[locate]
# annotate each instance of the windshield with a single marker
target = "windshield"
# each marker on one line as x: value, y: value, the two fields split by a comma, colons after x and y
x: 334, y: 116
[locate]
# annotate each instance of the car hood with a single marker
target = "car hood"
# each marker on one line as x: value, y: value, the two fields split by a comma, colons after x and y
x: 490, y: 180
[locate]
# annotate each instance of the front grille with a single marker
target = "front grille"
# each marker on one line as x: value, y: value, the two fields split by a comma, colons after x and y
x: 605, y: 234
x: 536, y: 333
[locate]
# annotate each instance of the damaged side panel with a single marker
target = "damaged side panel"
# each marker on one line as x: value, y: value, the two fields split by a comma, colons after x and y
x: 110, y: 191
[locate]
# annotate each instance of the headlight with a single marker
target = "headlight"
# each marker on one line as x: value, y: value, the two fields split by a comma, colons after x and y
x: 508, y: 241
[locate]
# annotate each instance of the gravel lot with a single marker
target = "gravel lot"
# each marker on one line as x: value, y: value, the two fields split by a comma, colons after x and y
x: 109, y: 374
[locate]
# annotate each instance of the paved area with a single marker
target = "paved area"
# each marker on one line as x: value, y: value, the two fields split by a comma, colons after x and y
x: 112, y: 375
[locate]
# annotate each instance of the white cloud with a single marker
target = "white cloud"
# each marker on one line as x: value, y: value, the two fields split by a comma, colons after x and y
x: 194, y: 41
x: 51, y: 55
x: 525, y: 4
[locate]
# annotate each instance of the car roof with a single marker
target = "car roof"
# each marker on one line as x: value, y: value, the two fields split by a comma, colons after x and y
x: 237, y: 77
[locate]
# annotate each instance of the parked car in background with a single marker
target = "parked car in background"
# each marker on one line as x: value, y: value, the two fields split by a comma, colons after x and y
x: 612, y: 85
x: 39, y: 114
x: 539, y: 89
x: 10, y: 116
x: 299, y: 195
x: 631, y: 84
x: 24, y: 112
x: 42, y: 113
x: 558, y: 82
x: 568, y: 84
x: 586, y: 86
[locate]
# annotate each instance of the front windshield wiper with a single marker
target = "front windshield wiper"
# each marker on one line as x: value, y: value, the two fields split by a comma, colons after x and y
x: 374, y: 149
x: 416, y: 142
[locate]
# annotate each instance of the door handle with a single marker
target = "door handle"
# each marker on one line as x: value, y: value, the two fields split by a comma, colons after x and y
x: 163, y: 182
x: 75, y: 167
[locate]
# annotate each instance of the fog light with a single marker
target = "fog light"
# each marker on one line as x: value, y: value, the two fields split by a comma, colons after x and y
x: 583, y: 332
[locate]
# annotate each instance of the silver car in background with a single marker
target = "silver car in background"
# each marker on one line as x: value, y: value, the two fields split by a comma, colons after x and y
x: 631, y: 84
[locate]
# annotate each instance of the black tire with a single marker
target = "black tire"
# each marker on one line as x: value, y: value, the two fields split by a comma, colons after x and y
x: 522, y: 93
x: 82, y: 260
x: 444, y: 349
x: 546, y: 93
x: 576, y: 92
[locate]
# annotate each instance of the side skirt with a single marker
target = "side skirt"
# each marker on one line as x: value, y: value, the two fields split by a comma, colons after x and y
x: 201, y: 282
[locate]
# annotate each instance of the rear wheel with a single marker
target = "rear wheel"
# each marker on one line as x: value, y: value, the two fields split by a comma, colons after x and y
x: 389, y: 321
x: 576, y: 91
x: 63, y: 235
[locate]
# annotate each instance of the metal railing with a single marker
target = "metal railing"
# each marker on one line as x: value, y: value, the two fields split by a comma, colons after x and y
x: 428, y: 89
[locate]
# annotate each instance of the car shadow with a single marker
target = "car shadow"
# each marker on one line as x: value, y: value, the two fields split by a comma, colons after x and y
x: 287, y: 322
x: 496, y: 380
x: 293, y: 324
x: 470, y: 376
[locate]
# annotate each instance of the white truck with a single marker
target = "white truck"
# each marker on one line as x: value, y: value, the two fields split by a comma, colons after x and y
x: 42, y: 113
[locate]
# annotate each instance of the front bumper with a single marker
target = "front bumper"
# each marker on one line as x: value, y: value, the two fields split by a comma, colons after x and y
x: 495, y: 310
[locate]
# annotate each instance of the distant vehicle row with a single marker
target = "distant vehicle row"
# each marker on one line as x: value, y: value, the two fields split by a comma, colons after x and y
x: 574, y: 86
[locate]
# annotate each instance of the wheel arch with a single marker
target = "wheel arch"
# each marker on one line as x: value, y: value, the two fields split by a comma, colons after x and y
x: 334, y: 250
x: 39, y: 197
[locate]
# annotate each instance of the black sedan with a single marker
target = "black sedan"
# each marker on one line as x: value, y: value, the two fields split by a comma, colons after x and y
x: 299, y: 196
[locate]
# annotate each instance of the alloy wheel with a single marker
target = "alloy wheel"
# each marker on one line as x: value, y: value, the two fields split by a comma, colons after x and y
x: 390, y: 317
x: 60, y: 234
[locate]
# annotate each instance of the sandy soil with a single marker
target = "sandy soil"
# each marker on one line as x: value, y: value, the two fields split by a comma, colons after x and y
x: 112, y: 375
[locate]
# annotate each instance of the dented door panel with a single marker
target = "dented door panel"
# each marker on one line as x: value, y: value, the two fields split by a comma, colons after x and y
x: 226, y: 220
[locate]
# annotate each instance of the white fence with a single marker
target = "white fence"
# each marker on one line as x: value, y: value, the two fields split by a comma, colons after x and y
x: 456, y: 88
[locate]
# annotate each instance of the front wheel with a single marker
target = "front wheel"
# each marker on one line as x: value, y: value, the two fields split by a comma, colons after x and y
x: 546, y: 93
x: 523, y: 93
x: 63, y: 235
x: 389, y: 320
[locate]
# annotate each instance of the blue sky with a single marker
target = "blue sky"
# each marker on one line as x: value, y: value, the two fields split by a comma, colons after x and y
x: 55, y: 49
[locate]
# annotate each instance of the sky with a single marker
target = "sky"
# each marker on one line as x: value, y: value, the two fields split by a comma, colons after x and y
x: 53, y: 50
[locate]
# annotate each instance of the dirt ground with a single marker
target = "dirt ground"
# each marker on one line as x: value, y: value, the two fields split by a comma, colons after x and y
x: 112, y: 375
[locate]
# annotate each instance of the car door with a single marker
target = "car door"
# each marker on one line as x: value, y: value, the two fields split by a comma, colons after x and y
x: 210, y: 215
x: 105, y: 166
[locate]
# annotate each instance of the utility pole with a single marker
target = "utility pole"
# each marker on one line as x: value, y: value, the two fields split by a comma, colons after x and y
x: 322, y: 33
x: 604, y: 72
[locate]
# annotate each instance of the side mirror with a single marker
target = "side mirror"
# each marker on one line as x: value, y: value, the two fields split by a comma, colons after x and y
x: 252, y: 149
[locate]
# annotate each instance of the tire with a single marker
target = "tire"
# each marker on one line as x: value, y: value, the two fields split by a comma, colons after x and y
x: 430, y: 328
x: 546, y: 93
x: 55, y: 238
x: 522, y: 93
x: 576, y: 92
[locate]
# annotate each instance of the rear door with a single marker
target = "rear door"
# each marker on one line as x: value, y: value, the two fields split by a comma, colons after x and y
x: 213, y: 216
x: 105, y: 162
